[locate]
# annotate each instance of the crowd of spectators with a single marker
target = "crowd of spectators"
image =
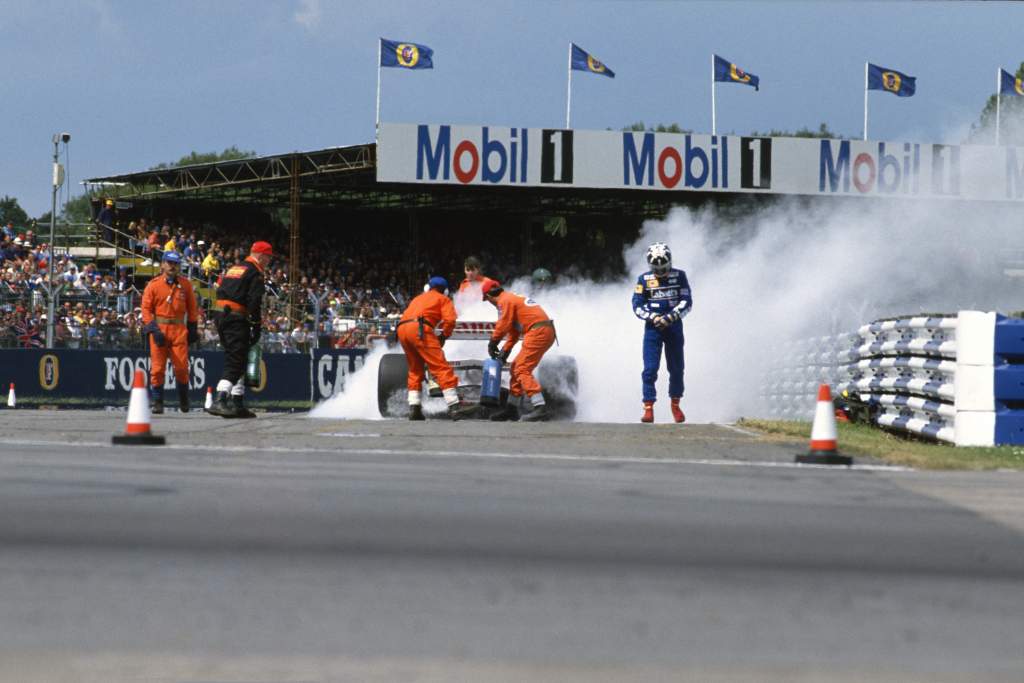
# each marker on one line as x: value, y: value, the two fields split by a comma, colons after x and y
x: 351, y: 292
x: 353, y: 304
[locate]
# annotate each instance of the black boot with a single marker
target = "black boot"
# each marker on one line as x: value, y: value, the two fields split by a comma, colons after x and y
x: 183, y: 403
x: 538, y: 414
x: 158, y: 401
x: 222, y: 406
x: 506, y: 413
x: 416, y: 413
x: 458, y: 411
x: 239, y: 402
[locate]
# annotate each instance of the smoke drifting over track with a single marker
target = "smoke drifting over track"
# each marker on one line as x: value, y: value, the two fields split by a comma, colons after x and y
x: 797, y: 268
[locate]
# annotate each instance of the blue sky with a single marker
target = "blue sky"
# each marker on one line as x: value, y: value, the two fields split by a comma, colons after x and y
x: 137, y: 83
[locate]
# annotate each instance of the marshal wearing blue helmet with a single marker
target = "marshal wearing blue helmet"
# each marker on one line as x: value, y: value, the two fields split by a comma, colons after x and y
x: 662, y: 298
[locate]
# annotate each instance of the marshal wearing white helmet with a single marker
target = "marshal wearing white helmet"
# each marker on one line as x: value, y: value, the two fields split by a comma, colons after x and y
x: 662, y: 298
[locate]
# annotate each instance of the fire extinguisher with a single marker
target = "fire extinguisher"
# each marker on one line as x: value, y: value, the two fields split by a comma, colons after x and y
x: 490, y: 387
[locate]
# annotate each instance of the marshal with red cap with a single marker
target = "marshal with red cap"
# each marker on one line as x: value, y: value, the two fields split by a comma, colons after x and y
x: 262, y: 247
x: 488, y: 284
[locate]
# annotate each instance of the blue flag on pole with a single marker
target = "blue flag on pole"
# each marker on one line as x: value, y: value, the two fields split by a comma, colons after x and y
x: 405, y: 55
x: 584, y: 61
x: 899, y: 84
x: 1010, y: 84
x: 728, y: 72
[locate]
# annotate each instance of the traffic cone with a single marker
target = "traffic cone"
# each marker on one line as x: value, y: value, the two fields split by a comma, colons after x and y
x: 209, y: 398
x: 137, y: 432
x: 823, y: 449
x: 11, y: 401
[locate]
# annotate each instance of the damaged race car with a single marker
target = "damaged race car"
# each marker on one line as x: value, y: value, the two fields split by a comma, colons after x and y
x: 557, y: 375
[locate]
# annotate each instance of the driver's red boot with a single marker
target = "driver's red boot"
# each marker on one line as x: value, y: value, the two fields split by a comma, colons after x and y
x: 677, y: 412
x: 648, y: 415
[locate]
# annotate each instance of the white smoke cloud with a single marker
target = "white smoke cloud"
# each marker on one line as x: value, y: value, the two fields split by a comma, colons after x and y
x: 793, y: 269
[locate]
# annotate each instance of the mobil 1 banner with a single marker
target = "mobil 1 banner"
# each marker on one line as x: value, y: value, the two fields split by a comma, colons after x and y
x: 475, y: 155
x: 69, y: 377
x: 331, y: 370
x: 639, y: 160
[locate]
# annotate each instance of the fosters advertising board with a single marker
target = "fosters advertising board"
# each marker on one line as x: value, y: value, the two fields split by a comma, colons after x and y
x: 540, y: 157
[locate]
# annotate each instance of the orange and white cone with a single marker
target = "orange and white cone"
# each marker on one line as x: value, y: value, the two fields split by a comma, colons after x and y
x: 11, y: 400
x: 824, y: 448
x: 136, y: 432
x: 208, y: 403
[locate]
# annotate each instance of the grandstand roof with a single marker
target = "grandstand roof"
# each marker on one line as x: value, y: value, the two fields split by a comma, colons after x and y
x: 345, y: 177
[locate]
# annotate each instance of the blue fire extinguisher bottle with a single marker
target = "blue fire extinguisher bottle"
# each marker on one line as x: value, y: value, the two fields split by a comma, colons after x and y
x: 490, y: 386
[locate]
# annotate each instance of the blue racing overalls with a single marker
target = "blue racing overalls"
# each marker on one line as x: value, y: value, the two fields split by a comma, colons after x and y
x: 666, y: 295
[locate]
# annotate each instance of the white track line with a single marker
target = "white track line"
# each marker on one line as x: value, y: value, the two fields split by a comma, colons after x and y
x: 737, y: 429
x: 470, y: 454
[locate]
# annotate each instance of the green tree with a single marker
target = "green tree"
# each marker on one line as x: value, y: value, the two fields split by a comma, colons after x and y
x: 1011, y: 120
x: 639, y: 127
x: 11, y: 211
x: 229, y: 154
x: 823, y: 131
x: 78, y: 210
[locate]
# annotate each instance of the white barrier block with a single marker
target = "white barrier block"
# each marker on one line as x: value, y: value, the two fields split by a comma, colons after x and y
x: 975, y: 388
x: 975, y: 338
x: 975, y: 428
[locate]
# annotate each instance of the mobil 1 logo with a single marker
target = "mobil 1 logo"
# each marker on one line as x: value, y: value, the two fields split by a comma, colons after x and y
x: 756, y: 163
x: 556, y: 156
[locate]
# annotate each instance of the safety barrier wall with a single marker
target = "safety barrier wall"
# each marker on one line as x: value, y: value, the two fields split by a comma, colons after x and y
x: 75, y: 378
x: 956, y: 378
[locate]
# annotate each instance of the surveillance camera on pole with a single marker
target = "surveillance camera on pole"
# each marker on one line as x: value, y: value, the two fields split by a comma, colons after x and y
x: 58, y: 181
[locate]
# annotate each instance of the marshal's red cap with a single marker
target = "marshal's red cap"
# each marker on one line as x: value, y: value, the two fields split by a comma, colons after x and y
x: 262, y: 248
x: 487, y: 284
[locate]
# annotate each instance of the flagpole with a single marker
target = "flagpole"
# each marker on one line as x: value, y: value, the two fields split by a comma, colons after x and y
x: 865, y: 100
x: 712, y: 93
x: 999, y: 97
x: 568, y: 97
x: 380, y: 46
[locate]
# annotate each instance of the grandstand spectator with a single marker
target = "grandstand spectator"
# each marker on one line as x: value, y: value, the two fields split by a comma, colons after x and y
x: 124, y: 291
x: 141, y: 233
x: 373, y: 334
x: 105, y: 221
x: 153, y: 244
x: 191, y: 258
x: 211, y: 264
x: 354, y: 338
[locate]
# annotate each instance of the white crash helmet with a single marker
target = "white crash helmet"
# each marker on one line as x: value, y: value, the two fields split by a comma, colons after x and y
x: 659, y: 257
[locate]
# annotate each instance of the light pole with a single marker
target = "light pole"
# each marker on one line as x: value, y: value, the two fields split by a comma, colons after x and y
x: 58, y: 180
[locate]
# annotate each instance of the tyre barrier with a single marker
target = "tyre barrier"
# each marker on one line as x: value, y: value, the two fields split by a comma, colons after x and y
x: 956, y: 378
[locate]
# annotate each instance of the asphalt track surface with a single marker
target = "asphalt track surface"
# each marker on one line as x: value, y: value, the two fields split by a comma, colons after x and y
x: 293, y: 549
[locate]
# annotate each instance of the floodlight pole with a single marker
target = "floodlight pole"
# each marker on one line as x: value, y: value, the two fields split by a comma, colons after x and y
x: 50, y: 265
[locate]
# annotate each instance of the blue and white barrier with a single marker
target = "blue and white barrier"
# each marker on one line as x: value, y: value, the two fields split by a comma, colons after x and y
x: 80, y: 378
x: 956, y: 378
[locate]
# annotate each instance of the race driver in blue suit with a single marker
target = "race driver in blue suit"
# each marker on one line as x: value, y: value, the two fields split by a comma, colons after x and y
x: 662, y: 298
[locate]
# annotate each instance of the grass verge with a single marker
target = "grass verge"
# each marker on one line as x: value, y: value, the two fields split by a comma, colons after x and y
x: 896, y: 449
